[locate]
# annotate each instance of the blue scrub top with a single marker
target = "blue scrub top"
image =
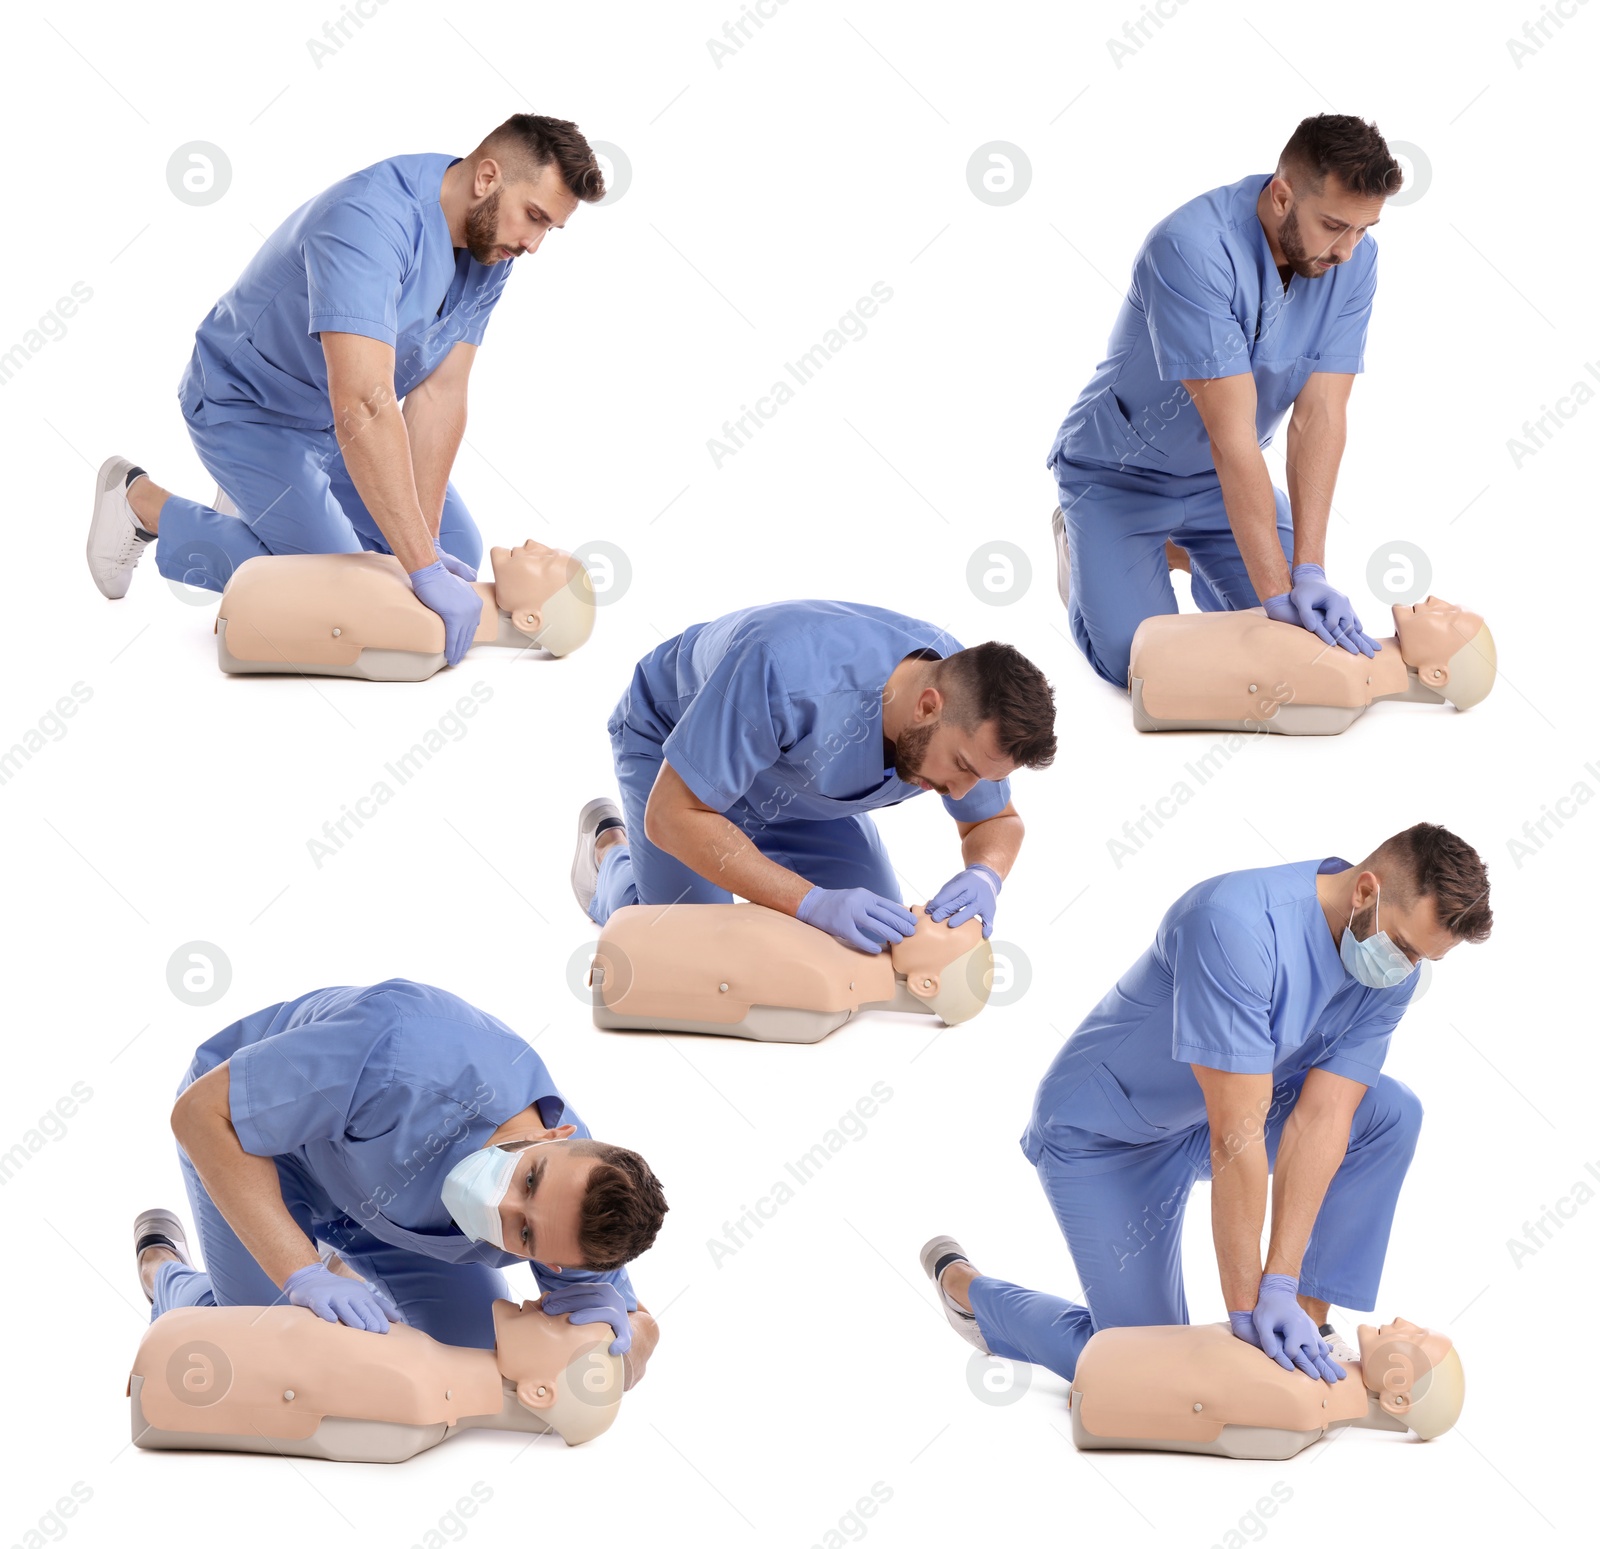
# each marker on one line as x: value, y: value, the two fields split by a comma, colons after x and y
x: 1206, y: 301
x: 370, y: 255
x: 774, y: 714
x: 1244, y: 976
x: 377, y: 1092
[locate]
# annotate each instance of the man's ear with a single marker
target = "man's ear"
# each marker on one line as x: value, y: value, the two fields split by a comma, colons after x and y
x: 563, y: 1131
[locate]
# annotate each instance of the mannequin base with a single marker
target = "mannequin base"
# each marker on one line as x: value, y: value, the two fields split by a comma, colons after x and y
x: 1236, y: 1441
x: 1288, y: 720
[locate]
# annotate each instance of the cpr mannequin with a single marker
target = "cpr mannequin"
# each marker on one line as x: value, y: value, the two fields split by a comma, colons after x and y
x: 281, y: 1379
x: 1245, y: 672
x: 752, y: 972
x: 1200, y: 1388
x: 355, y: 615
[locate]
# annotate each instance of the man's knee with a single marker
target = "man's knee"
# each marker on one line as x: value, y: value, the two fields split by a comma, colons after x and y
x: 1399, y: 1109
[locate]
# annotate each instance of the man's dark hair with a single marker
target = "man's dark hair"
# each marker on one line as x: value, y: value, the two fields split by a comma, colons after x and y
x: 1350, y: 148
x: 527, y: 142
x: 1433, y: 863
x: 995, y: 682
x: 622, y: 1208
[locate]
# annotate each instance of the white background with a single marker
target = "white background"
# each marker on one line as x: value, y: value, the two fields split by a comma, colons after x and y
x: 767, y: 195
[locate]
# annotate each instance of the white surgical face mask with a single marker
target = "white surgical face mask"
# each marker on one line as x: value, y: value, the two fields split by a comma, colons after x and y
x: 1376, y: 962
x: 474, y: 1188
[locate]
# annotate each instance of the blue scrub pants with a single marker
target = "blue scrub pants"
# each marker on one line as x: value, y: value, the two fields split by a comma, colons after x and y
x: 1116, y: 552
x: 835, y: 852
x: 1124, y: 1228
x: 294, y: 495
x: 452, y: 1302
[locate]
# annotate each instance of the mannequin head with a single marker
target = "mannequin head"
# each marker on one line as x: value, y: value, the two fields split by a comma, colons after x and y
x: 562, y: 1371
x: 952, y: 969
x: 1415, y: 1373
x: 1451, y: 649
x: 547, y: 593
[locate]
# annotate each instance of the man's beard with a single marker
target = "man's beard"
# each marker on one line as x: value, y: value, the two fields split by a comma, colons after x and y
x: 1299, y: 260
x: 483, y: 221
x: 910, y: 748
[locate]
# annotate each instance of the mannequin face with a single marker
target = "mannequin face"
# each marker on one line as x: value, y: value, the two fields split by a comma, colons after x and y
x: 937, y: 755
x: 1433, y: 630
x: 540, y: 1211
x: 1415, y: 928
x: 526, y: 577
x: 537, y: 1353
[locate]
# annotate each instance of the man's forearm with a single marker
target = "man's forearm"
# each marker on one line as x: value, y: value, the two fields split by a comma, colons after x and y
x: 1252, y: 508
x: 1316, y: 446
x: 1309, y: 1155
x: 435, y: 422
x: 377, y: 453
x: 993, y: 843
x: 718, y: 850
x: 1238, y: 1209
x: 246, y: 1190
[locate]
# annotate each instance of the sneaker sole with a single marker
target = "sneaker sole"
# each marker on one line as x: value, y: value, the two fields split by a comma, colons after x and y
x: 588, y: 816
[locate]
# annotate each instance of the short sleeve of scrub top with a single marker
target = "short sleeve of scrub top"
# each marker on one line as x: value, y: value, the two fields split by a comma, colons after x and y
x: 1358, y: 1053
x: 354, y: 264
x: 736, y: 726
x: 1221, y: 993
x: 1343, y: 345
x: 301, y: 1085
x: 1188, y: 305
x: 984, y: 800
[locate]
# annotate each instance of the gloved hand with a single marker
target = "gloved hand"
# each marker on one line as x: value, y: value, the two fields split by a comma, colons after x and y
x: 339, y: 1299
x: 455, y: 566
x: 1280, y: 1327
x: 1313, y: 604
x: 969, y: 892
x: 454, y: 601
x: 592, y: 1301
x: 858, y: 917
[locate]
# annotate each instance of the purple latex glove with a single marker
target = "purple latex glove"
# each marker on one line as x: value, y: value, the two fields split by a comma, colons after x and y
x: 968, y: 893
x: 454, y: 601
x: 1280, y: 1327
x: 1313, y: 604
x: 591, y: 1301
x: 858, y: 917
x: 455, y: 566
x: 339, y: 1299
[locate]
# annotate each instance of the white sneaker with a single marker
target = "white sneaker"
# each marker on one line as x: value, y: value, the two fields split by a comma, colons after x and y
x: 585, y: 864
x: 960, y: 1320
x: 114, y: 545
x: 159, y: 1228
x: 1338, y: 1346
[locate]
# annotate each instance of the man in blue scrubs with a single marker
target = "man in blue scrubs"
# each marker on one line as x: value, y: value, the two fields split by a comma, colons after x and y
x: 1245, y: 302
x: 377, y: 290
x: 339, y: 1117
x: 1248, y: 1040
x: 751, y: 750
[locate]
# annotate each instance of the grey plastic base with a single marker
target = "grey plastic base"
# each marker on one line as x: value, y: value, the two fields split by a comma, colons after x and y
x: 1236, y: 1441
x: 1287, y: 720
x: 766, y: 1024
